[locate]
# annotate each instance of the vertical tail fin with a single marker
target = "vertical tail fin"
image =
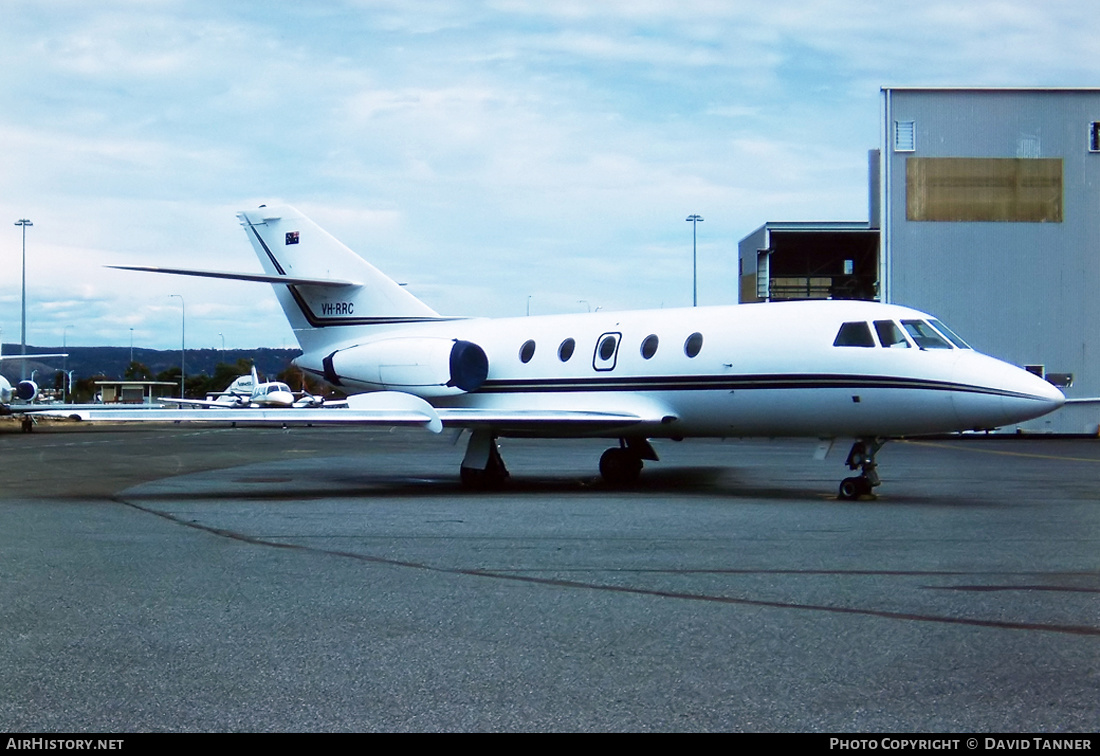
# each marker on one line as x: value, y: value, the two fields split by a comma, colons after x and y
x: 344, y: 290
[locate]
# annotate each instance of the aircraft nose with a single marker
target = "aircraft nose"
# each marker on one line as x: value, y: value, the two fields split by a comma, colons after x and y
x: 1033, y: 397
x: 1000, y: 394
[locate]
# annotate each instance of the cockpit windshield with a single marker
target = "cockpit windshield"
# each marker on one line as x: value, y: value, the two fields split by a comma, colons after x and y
x: 949, y: 334
x: 889, y: 335
x: 857, y: 334
x: 925, y: 336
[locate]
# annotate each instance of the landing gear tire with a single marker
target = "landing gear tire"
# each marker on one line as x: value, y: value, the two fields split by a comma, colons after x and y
x: 494, y: 475
x: 481, y: 480
x: 620, y: 466
x: 853, y: 488
x: 862, y: 458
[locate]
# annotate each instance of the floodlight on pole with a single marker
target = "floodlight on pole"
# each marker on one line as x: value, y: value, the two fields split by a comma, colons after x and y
x: 694, y: 219
x: 23, y: 317
x: 65, y: 359
x: 183, y: 340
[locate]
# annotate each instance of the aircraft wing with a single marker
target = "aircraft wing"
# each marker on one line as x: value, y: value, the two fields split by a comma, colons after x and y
x: 381, y: 408
x: 30, y: 356
x: 545, y: 421
x: 398, y: 408
x: 196, y: 403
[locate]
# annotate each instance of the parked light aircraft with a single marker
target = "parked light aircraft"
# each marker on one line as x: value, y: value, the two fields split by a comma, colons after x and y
x: 824, y: 369
x: 248, y: 391
x: 25, y: 390
x: 18, y: 398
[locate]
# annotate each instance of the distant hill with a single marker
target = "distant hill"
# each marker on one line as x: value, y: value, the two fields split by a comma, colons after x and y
x: 112, y: 362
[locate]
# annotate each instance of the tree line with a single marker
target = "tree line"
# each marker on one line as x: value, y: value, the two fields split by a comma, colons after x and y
x: 197, y: 386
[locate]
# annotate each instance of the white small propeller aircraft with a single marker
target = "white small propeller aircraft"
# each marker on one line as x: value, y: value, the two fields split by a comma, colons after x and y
x: 823, y: 369
x: 248, y: 392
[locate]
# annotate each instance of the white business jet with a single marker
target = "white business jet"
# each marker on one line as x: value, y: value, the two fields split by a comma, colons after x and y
x: 24, y: 391
x: 17, y: 399
x: 823, y: 369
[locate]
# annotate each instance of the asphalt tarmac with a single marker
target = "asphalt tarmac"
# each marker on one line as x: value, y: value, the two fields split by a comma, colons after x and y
x: 233, y: 579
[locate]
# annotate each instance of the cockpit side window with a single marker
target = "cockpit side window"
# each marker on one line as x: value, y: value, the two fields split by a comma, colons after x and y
x: 925, y: 335
x: 949, y: 334
x: 854, y: 335
x: 890, y: 335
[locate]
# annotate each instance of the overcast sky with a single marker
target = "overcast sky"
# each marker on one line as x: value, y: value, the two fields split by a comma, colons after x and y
x: 493, y: 155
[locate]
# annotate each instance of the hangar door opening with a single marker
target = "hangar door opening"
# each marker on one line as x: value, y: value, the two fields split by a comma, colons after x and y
x: 815, y: 264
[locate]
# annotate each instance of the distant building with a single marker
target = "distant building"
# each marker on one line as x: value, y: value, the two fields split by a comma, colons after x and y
x: 984, y: 210
x: 134, y: 392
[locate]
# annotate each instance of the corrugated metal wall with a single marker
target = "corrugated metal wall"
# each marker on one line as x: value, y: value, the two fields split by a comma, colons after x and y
x: 1027, y: 292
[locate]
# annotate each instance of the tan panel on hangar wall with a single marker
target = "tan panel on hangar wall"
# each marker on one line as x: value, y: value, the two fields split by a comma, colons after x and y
x: 1021, y: 190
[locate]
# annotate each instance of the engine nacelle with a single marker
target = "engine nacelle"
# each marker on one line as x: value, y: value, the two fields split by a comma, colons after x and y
x: 424, y: 366
x: 26, y: 390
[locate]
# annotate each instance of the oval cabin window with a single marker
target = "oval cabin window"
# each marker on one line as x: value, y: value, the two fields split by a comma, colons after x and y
x: 693, y: 345
x: 565, y: 351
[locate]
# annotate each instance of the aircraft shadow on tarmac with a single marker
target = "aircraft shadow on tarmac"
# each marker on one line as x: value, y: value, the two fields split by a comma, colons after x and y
x: 666, y: 484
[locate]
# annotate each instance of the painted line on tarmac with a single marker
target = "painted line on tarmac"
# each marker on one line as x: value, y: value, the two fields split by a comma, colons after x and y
x: 967, y: 447
x: 1080, y: 630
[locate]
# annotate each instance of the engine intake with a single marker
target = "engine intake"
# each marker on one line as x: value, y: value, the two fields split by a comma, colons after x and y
x: 26, y: 390
x: 425, y: 366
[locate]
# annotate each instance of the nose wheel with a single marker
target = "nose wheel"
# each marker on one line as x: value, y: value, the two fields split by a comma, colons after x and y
x: 862, y: 458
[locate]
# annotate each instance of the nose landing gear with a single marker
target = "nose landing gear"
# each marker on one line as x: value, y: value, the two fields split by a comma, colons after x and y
x: 861, y: 457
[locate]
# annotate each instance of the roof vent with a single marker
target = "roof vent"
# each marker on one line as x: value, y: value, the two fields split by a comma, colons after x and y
x: 905, y: 136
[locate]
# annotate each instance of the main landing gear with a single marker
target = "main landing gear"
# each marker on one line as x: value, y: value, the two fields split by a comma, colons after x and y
x: 862, y: 457
x: 621, y: 465
x: 483, y: 467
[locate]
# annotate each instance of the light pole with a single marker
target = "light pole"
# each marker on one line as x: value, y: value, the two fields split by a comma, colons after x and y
x: 694, y: 220
x: 132, y: 348
x: 65, y: 360
x: 183, y: 339
x: 23, y: 318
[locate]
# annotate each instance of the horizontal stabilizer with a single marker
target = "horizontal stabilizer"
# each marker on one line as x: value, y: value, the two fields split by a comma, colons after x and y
x: 258, y: 277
